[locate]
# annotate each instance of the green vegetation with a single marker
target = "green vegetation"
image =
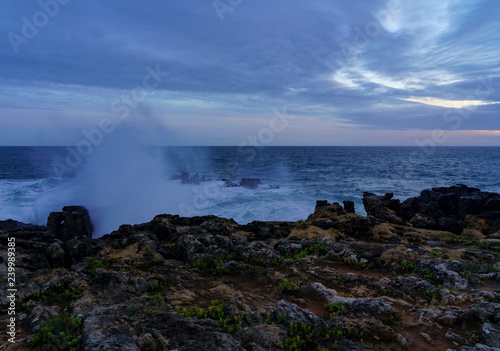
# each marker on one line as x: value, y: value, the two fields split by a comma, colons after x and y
x: 407, y: 267
x: 216, y: 312
x: 318, y: 247
x: 149, y: 266
x: 335, y: 309
x: 429, y: 294
x: 62, y: 332
x: 274, y: 318
x: 59, y: 294
x: 301, y: 336
x: 95, y: 263
x: 156, y: 298
x: 215, y: 266
x: 287, y: 286
x: 352, y: 262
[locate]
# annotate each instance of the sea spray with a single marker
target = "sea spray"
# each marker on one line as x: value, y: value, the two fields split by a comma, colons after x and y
x: 124, y: 180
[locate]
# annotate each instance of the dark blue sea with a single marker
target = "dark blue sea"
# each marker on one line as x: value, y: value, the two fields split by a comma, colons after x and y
x: 121, y: 184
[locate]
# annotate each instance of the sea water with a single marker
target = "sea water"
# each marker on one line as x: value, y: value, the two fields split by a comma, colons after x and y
x: 129, y: 185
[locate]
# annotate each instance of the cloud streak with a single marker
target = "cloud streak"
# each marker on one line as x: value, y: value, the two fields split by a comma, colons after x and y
x: 449, y: 103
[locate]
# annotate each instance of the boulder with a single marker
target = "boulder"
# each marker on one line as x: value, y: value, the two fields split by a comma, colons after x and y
x: 72, y: 222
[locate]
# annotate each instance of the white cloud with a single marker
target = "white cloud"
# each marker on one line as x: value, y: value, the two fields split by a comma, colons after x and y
x: 449, y: 103
x: 356, y: 76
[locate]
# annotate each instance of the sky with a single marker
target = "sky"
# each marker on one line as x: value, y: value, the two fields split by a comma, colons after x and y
x: 251, y: 72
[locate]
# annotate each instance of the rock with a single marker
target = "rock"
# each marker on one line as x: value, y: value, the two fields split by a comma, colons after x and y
x: 146, y: 342
x: 11, y: 226
x: 422, y: 221
x: 383, y: 232
x: 56, y: 255
x: 490, y: 334
x: 383, y: 207
x: 251, y: 183
x: 324, y: 210
x: 478, y: 347
x: 294, y: 313
x: 78, y: 248
x: 349, y: 206
x: 450, y: 335
x: 187, y: 246
x: 263, y: 337
x: 73, y: 221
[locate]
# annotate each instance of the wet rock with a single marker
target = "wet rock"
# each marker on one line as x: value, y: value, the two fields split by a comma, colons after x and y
x: 251, y: 183
x: 73, y: 221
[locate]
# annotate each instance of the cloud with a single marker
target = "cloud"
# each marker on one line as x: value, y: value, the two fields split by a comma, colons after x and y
x: 261, y: 56
x: 449, y: 103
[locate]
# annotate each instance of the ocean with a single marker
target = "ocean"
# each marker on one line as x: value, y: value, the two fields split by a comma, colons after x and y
x: 124, y: 184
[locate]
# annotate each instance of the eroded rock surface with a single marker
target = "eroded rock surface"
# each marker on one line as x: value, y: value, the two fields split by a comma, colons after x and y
x: 395, y: 279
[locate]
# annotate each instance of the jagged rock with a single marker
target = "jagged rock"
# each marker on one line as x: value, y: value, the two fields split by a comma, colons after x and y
x: 349, y: 206
x: 383, y: 207
x: 208, y: 283
x: 490, y: 334
x: 264, y: 337
x: 73, y: 221
x: 324, y: 210
x: 422, y: 221
x: 478, y: 347
x: 12, y: 226
x: 383, y: 232
x: 187, y: 246
x: 56, y: 255
x: 293, y: 313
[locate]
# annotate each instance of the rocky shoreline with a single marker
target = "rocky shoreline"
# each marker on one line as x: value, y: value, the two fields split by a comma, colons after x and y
x: 422, y: 274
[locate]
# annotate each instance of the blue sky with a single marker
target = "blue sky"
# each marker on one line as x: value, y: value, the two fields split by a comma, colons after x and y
x: 206, y: 72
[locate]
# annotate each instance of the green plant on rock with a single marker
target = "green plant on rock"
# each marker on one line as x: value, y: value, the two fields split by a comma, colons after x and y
x: 149, y: 266
x: 62, y: 332
x: 213, y: 265
x: 433, y: 277
x: 352, y: 262
x: 59, y: 294
x: 95, y: 263
x: 335, y: 309
x: 287, y: 286
x: 216, y: 312
x: 407, y: 267
x: 337, y: 331
x: 274, y: 317
x: 301, y: 336
x: 318, y: 247
x: 429, y: 295
x: 156, y: 298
